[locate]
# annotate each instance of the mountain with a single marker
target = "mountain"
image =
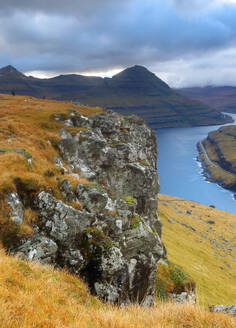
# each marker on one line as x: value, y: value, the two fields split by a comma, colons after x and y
x: 221, y: 98
x: 133, y: 91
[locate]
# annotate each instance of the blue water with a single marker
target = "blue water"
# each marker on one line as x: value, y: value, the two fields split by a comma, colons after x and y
x: 181, y: 175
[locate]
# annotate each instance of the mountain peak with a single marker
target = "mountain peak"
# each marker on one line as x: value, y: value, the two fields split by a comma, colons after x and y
x: 10, y: 71
x: 134, y: 70
x: 139, y: 77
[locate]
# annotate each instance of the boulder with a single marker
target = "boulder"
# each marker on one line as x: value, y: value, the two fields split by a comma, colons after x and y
x: 227, y: 309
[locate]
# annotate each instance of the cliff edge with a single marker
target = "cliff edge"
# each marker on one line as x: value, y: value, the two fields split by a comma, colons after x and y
x: 95, y: 211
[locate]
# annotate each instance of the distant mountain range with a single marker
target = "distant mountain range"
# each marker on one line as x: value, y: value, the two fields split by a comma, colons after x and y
x: 222, y: 99
x: 133, y: 91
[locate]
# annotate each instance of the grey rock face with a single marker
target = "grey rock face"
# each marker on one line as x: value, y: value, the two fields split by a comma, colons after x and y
x: 184, y: 297
x: 228, y: 309
x: 16, y: 207
x: 39, y: 249
x: 114, y: 242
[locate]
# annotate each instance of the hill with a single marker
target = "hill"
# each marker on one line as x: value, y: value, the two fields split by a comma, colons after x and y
x: 221, y: 98
x: 201, y: 240
x: 133, y: 91
x: 39, y: 296
x: 34, y: 295
x: 218, y: 154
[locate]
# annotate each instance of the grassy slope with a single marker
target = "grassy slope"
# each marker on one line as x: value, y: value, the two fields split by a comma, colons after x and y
x: 221, y: 149
x: 33, y: 296
x: 220, y: 98
x: 27, y: 123
x: 206, y: 254
x: 36, y: 296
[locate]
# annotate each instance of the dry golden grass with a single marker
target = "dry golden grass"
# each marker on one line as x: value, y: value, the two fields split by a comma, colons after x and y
x: 27, y: 123
x: 207, y: 254
x: 34, y: 296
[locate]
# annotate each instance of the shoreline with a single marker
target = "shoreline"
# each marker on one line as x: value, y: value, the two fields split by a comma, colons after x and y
x: 205, y: 172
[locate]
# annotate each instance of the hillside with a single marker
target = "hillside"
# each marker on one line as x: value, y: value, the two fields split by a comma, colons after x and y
x: 79, y: 192
x: 33, y: 295
x: 38, y: 296
x: 133, y: 91
x: 202, y: 240
x: 218, y: 153
x: 221, y: 98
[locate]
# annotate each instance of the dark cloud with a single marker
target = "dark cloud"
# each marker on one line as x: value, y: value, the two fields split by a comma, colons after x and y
x: 76, y: 7
x: 77, y: 36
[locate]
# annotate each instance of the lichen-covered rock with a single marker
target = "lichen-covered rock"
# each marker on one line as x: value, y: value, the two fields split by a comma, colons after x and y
x: 114, y: 241
x: 184, y: 297
x: 40, y: 249
x: 16, y: 207
x: 227, y: 309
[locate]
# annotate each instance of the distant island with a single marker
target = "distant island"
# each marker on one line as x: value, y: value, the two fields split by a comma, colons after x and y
x: 135, y: 90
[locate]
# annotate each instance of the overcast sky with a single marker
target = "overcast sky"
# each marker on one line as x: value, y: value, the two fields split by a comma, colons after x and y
x: 185, y: 42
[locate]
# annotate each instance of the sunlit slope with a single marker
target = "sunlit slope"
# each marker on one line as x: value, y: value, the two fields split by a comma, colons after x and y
x: 29, y: 132
x: 220, y: 147
x: 34, y: 296
x: 202, y: 240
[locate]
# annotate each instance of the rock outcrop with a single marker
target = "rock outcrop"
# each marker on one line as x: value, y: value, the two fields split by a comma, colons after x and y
x: 227, y: 309
x: 112, y: 239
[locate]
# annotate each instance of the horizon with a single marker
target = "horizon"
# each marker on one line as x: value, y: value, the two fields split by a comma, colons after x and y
x: 184, y: 42
x: 43, y: 75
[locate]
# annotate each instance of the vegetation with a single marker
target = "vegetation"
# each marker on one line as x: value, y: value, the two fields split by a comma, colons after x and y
x: 135, y: 222
x: 33, y: 296
x: 129, y: 200
x: 220, y: 147
x: 204, y: 250
x: 172, y: 279
x: 133, y: 91
x: 29, y: 132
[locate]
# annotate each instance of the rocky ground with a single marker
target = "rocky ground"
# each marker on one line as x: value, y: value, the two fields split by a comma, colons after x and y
x: 102, y: 227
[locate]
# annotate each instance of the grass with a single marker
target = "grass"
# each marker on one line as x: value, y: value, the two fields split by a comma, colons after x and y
x: 220, y: 146
x: 207, y: 254
x: 33, y: 296
x: 28, y: 131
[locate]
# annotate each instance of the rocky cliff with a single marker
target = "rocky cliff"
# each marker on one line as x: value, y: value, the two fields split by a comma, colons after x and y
x: 103, y: 228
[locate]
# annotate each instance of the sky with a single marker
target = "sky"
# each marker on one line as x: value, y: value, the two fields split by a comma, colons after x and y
x: 185, y: 42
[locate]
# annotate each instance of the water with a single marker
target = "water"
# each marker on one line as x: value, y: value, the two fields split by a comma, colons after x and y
x: 181, y: 174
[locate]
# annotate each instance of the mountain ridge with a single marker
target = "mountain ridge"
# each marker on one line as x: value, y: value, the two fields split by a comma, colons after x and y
x: 135, y: 90
x: 222, y: 98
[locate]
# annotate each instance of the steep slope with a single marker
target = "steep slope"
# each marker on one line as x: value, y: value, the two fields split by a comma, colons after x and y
x: 218, y: 154
x: 221, y: 98
x: 80, y: 193
x: 201, y: 239
x: 33, y: 296
x: 138, y: 91
x: 133, y: 91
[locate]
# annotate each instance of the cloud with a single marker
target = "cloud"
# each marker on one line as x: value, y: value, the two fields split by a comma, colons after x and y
x: 83, y: 36
x: 75, y: 7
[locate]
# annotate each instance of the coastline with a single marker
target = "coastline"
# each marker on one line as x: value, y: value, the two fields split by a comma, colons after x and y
x: 207, y: 174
